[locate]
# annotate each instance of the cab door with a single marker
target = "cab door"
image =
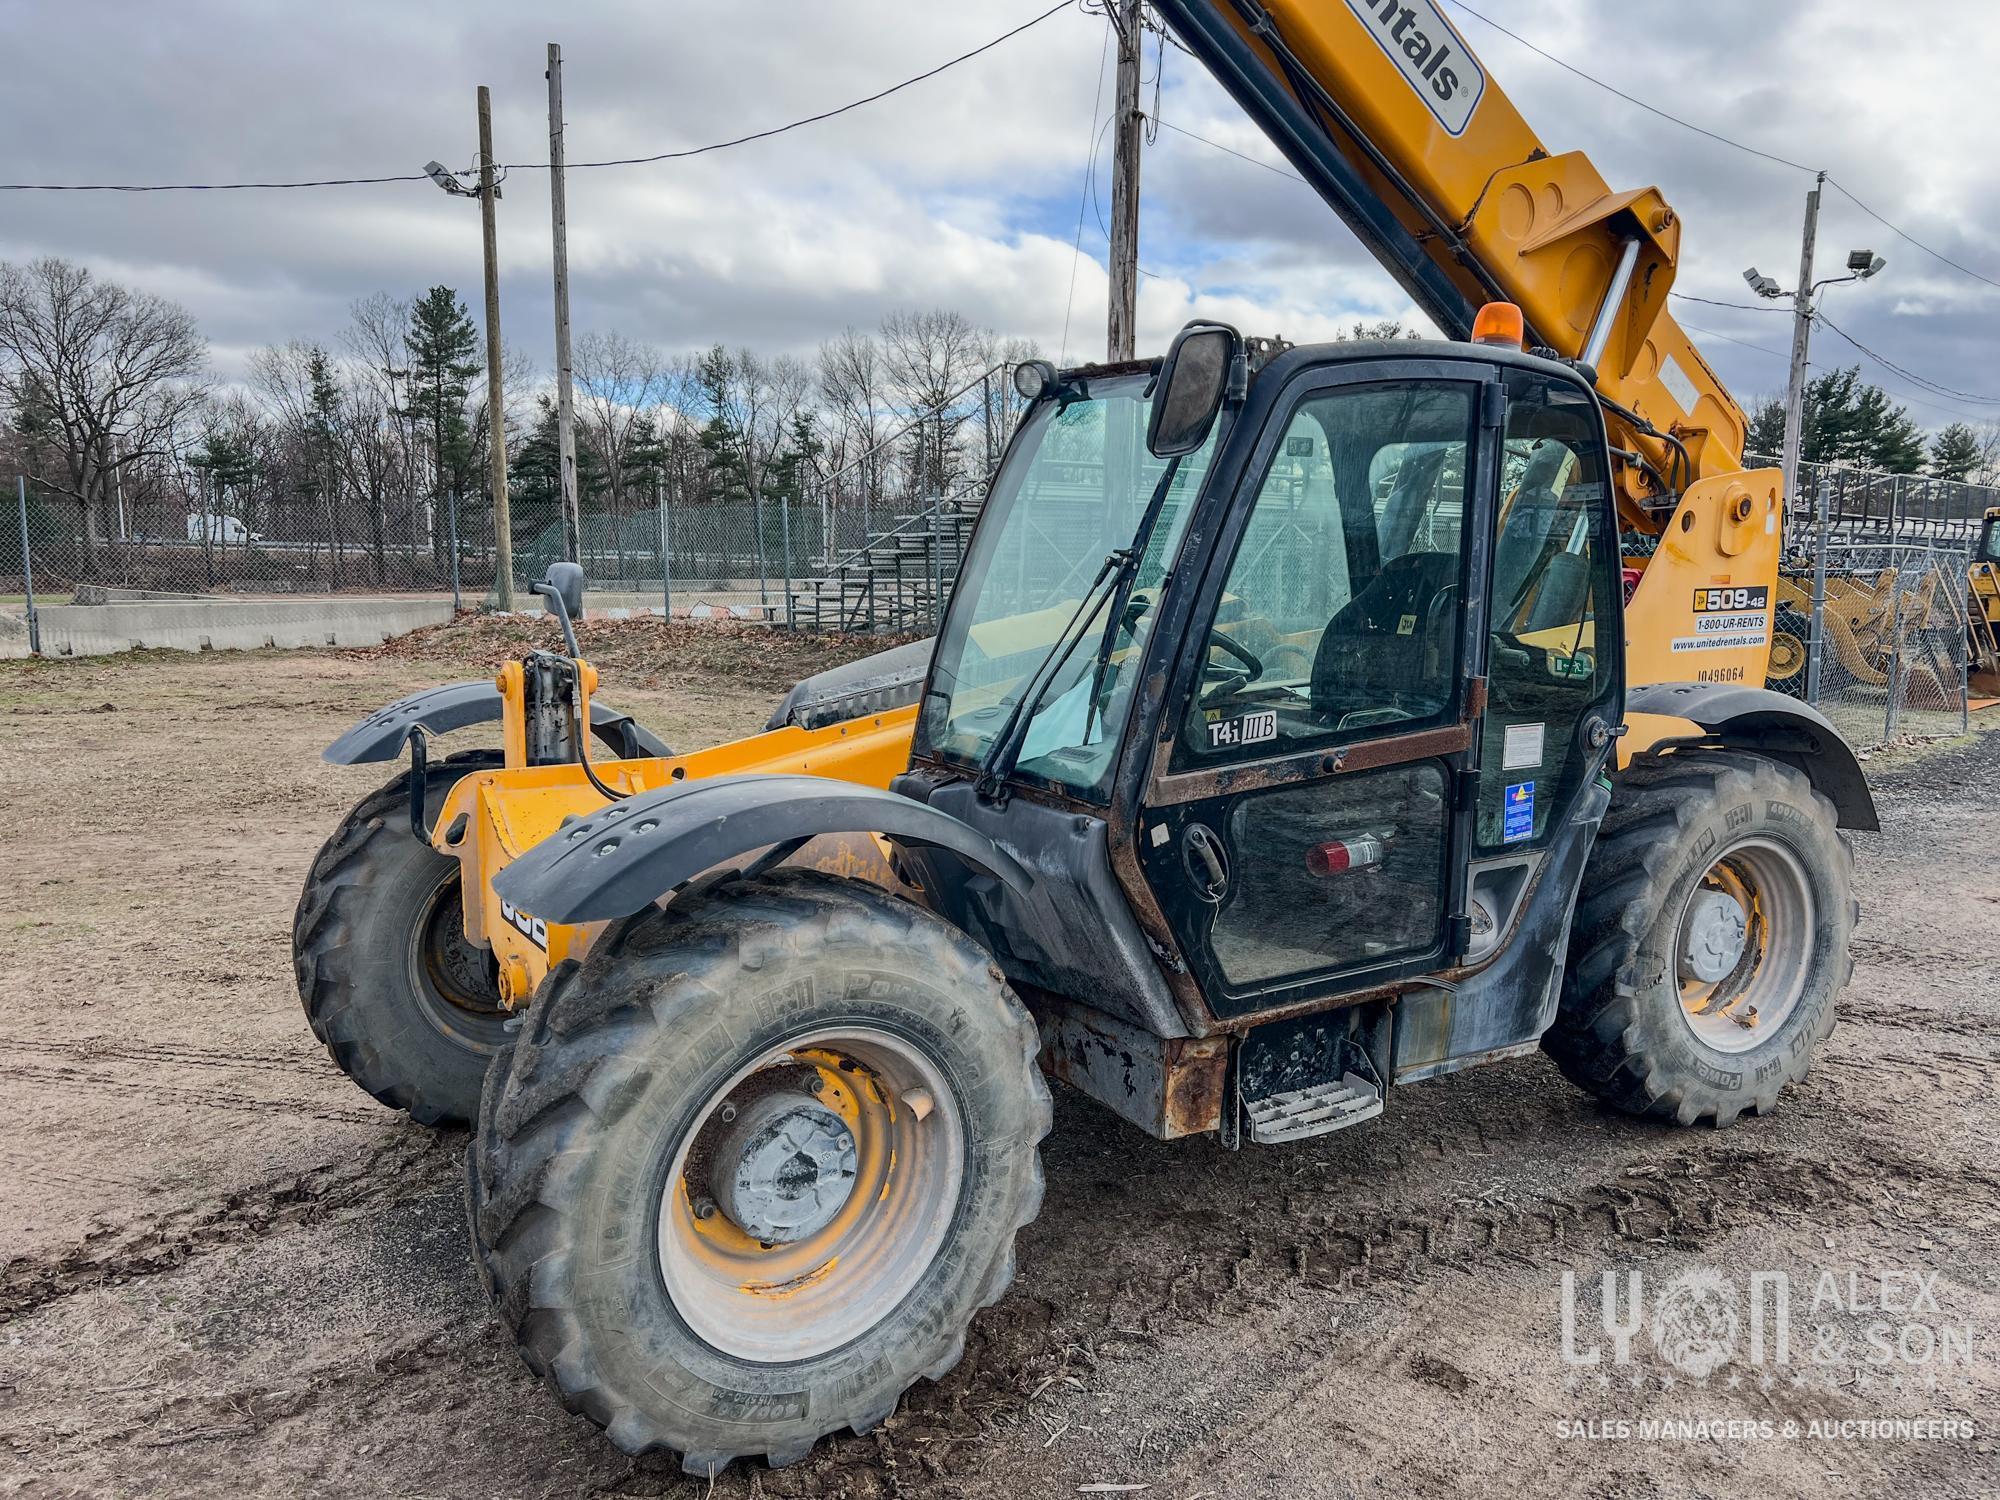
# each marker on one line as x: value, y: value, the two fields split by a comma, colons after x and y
x: 1307, y: 829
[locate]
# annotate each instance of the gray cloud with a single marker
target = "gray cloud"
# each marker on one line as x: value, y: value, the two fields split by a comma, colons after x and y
x: 963, y: 190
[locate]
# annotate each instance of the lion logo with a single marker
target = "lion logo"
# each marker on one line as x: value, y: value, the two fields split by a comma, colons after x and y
x: 1695, y: 1323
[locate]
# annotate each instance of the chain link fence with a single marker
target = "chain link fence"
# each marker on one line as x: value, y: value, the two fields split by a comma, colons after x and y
x: 1875, y: 636
x: 868, y: 540
x: 1871, y: 623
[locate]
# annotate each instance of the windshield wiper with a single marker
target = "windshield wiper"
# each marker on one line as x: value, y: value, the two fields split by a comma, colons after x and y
x: 1006, y: 749
x: 1118, y: 569
x: 1121, y: 599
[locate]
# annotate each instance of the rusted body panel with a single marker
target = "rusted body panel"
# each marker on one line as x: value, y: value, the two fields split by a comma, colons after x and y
x: 1168, y: 1087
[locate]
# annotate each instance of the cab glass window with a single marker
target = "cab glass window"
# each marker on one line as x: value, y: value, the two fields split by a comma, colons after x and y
x: 1555, y: 582
x: 1339, y: 617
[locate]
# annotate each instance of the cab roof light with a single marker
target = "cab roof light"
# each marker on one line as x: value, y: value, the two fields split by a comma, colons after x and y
x: 1500, y: 323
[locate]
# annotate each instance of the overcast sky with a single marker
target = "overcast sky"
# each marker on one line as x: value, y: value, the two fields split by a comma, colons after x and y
x: 963, y: 191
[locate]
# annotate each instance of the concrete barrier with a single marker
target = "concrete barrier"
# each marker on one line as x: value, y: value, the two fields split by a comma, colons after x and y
x: 219, y: 624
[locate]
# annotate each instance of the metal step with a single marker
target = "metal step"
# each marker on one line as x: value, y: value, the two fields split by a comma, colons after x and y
x: 1318, y: 1110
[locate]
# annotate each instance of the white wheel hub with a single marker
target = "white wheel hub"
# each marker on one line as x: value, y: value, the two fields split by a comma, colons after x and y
x: 1716, y: 933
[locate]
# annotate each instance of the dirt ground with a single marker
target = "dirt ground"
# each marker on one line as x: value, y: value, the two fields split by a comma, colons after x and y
x: 226, y: 1270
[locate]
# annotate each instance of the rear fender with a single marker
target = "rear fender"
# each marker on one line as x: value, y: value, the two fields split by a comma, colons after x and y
x: 625, y: 856
x: 1755, y: 718
x: 455, y: 705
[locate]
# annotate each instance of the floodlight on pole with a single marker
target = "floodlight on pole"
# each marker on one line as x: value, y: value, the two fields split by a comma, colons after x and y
x: 1761, y: 284
x: 443, y: 177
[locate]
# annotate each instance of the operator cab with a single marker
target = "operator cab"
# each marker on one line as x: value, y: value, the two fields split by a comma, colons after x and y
x: 1311, y: 689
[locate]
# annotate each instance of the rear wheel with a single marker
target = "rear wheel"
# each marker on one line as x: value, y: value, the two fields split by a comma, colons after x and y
x: 756, y: 1163
x: 406, y: 1006
x: 1710, y: 942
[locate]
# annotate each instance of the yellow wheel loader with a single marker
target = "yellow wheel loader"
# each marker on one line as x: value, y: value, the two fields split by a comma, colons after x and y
x: 1983, y: 610
x: 1376, y: 711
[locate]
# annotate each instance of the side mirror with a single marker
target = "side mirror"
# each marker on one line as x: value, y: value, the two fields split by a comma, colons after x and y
x: 1192, y: 384
x: 563, y: 585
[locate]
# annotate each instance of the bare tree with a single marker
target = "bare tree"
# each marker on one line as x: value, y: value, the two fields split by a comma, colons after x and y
x: 619, y: 384
x: 384, y: 467
x: 853, y: 387
x: 99, y: 374
x: 931, y: 358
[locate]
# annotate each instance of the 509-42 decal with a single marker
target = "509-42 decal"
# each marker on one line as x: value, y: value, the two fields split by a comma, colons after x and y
x: 1731, y: 601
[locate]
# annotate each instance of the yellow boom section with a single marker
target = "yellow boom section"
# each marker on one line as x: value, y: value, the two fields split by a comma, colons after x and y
x: 1440, y: 151
x: 1390, y: 115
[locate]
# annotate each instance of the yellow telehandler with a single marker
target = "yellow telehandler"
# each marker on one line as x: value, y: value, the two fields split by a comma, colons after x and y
x: 1385, y: 709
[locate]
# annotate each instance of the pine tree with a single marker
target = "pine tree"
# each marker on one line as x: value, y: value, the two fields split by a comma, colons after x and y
x: 798, y: 464
x: 1767, y: 428
x: 721, y: 441
x: 1955, y: 452
x: 443, y: 347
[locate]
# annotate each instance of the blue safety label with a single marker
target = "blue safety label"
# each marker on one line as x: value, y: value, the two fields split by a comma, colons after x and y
x: 1519, y: 822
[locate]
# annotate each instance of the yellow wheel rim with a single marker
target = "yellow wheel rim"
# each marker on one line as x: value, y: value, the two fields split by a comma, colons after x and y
x: 813, y: 1192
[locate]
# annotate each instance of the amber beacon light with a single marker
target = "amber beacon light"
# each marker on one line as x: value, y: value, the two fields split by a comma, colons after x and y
x: 1500, y: 323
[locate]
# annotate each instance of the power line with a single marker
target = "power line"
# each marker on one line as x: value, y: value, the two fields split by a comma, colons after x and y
x: 201, y: 187
x: 765, y: 135
x: 1909, y: 238
x: 1083, y: 198
x: 1651, y: 109
x: 1739, y: 306
x: 1729, y: 338
x: 624, y: 161
x: 1783, y: 161
x: 1923, y: 382
x: 1231, y: 151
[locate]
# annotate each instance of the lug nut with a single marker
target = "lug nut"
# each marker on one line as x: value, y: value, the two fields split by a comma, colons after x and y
x: 816, y: 1083
x: 704, y: 1208
x: 726, y: 1113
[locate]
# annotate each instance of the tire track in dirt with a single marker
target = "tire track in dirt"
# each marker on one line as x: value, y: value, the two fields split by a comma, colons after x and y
x: 409, y: 1164
x: 91, y: 1049
x: 1934, y: 1020
x: 1686, y: 1199
x: 205, y: 1097
x: 1956, y: 1073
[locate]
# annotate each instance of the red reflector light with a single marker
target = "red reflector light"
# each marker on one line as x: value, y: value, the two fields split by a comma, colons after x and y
x: 1338, y: 855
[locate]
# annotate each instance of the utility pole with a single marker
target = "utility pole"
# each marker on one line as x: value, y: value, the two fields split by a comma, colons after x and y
x: 496, y: 411
x: 565, y: 394
x: 1802, y: 316
x: 1128, y: 20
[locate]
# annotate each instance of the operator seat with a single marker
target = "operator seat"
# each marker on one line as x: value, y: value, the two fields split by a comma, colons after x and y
x: 1390, y: 645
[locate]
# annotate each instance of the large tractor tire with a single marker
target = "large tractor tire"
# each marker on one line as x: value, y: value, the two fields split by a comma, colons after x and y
x: 1791, y: 650
x: 406, y: 1006
x: 755, y: 1164
x: 1710, y: 941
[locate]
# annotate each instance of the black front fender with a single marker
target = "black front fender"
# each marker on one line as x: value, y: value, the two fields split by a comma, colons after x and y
x: 454, y: 705
x: 1755, y: 718
x: 626, y: 855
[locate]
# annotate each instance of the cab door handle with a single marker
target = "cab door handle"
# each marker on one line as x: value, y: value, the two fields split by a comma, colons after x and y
x: 1206, y: 863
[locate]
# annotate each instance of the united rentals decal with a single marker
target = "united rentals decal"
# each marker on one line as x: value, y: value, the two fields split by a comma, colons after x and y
x: 1430, y: 54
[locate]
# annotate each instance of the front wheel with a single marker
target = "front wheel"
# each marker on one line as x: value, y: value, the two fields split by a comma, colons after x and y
x: 1710, y: 942
x: 407, y: 1007
x: 755, y: 1164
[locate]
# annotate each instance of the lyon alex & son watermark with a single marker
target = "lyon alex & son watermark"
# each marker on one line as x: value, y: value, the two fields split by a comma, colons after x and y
x: 1727, y: 1337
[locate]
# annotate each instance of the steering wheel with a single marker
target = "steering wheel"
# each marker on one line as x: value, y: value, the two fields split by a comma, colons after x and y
x: 1234, y: 681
